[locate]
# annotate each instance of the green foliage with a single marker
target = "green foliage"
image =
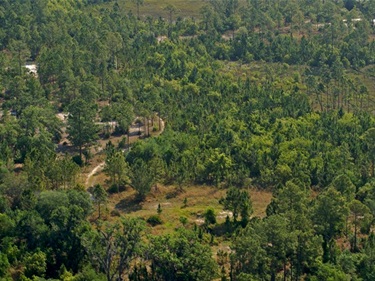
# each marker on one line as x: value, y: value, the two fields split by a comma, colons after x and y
x: 291, y: 201
x: 183, y: 220
x: 114, y: 247
x: 141, y: 178
x: 154, y: 220
x: 117, y: 168
x: 209, y: 217
x: 358, y: 211
x: 159, y: 210
x: 270, y: 241
x: 181, y: 257
x: 328, y: 271
x: 35, y: 264
x: 77, y: 159
x: 123, y: 143
x: 100, y: 196
x: 81, y: 127
x: 4, y: 265
x: 121, y: 112
x: 238, y: 202
x: 329, y: 214
x: 218, y: 166
x: 271, y: 94
x: 88, y: 273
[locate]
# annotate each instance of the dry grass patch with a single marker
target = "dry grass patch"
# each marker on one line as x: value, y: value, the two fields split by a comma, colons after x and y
x: 198, y: 200
x: 260, y: 200
x: 156, y: 8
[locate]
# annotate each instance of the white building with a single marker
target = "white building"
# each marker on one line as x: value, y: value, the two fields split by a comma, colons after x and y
x: 32, y: 68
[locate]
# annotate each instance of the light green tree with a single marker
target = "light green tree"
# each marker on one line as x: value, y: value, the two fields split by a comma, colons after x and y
x: 181, y: 257
x: 329, y: 216
x: 358, y: 210
x: 141, y: 178
x: 239, y: 203
x: 117, y: 169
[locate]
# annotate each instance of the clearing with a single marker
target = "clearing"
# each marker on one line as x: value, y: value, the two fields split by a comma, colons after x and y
x: 198, y: 200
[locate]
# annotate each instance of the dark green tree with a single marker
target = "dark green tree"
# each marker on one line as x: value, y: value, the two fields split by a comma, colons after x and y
x: 141, y: 178
x: 181, y: 257
x: 117, y: 169
x: 329, y: 216
x: 100, y: 196
x: 81, y: 126
x: 112, y: 248
x: 238, y: 202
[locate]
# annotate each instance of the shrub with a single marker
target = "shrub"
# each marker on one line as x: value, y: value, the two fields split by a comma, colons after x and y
x: 123, y: 142
x: 106, y: 135
x: 154, y: 220
x: 183, y: 220
x: 78, y: 160
x: 159, y: 210
x: 210, y: 216
x: 115, y: 213
x: 116, y: 188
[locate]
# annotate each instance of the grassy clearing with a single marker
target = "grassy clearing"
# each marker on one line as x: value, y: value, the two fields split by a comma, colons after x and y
x: 156, y: 8
x: 199, y: 199
x: 190, y: 204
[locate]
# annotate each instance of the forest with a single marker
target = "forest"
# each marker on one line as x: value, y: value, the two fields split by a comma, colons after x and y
x: 187, y: 140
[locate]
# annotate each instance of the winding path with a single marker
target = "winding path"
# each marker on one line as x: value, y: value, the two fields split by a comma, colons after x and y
x: 98, y: 168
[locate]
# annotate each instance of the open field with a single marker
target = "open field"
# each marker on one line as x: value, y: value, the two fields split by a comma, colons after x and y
x: 156, y: 8
x: 198, y: 200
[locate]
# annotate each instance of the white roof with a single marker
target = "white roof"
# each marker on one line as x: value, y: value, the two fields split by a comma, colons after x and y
x: 32, y: 68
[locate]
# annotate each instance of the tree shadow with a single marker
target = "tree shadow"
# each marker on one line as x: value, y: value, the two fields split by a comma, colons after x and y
x: 129, y: 204
x: 221, y: 229
x: 113, y: 189
x: 174, y: 193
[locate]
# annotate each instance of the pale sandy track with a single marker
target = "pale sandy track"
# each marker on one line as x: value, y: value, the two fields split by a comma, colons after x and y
x: 98, y: 168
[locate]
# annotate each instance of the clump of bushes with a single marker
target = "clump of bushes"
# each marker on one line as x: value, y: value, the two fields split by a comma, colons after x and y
x: 78, y: 160
x: 154, y: 220
x: 115, y: 213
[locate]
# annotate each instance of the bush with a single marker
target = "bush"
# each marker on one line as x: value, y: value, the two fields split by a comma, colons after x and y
x: 116, y: 188
x: 106, y: 135
x: 115, y: 213
x: 183, y: 220
x: 122, y: 143
x: 154, y: 220
x: 78, y: 160
x: 209, y: 216
x: 113, y: 189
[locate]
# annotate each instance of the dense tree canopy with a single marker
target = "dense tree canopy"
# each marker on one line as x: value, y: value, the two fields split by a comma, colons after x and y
x: 274, y: 95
